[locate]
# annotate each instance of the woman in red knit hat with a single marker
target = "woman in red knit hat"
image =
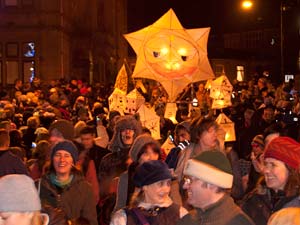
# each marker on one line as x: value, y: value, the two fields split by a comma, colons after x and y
x: 282, y: 181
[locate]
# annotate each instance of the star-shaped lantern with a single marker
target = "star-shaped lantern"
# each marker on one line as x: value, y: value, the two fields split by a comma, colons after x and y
x: 168, y: 53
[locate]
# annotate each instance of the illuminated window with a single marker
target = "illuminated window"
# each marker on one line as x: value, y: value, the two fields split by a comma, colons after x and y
x: 240, y: 73
x: 29, y: 49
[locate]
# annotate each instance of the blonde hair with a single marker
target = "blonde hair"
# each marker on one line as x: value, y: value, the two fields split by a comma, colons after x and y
x: 137, y: 197
x: 287, y: 216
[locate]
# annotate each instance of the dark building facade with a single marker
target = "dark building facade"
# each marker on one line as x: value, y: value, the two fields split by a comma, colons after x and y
x: 61, y: 39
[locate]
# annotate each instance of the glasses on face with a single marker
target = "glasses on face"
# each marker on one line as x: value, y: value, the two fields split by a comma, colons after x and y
x: 189, y: 180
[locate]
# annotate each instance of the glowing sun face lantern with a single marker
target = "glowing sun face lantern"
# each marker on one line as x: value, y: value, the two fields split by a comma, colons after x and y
x: 170, y: 54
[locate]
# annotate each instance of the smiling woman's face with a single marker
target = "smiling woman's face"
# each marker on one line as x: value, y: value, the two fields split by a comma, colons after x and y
x: 276, y: 174
x: 158, y: 192
x: 62, y: 162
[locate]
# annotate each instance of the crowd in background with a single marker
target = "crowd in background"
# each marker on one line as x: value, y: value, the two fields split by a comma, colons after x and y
x: 91, y: 165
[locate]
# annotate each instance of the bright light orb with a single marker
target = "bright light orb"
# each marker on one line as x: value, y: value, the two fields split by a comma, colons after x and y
x: 247, y: 4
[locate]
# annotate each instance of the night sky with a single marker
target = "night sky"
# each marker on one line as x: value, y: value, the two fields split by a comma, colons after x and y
x: 221, y: 15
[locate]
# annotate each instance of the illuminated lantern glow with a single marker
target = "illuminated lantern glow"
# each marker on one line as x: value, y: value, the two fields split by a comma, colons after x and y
x: 170, y: 54
x: 208, y: 84
x: 150, y: 120
x: 221, y: 91
x: 122, y: 79
x: 228, y: 126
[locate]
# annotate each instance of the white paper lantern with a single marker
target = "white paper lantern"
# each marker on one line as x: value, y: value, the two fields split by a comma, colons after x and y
x: 117, y: 101
x: 133, y: 101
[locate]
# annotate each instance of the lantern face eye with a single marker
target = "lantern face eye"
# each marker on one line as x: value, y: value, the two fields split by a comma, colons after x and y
x: 156, y: 54
x: 184, y: 58
x: 171, y: 55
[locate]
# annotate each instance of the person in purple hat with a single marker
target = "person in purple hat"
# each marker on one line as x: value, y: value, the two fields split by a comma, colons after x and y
x: 150, y: 203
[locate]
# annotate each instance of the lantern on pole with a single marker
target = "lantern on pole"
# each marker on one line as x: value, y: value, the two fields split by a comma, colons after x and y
x: 228, y: 126
x: 221, y: 90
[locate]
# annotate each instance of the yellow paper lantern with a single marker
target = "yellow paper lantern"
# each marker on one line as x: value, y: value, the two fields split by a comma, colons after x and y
x: 169, y: 53
x: 228, y: 126
x: 221, y: 90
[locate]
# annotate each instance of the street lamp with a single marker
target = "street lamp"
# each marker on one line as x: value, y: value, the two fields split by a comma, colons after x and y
x: 247, y: 5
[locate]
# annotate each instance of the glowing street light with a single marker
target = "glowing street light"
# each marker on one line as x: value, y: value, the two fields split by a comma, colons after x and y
x: 247, y: 5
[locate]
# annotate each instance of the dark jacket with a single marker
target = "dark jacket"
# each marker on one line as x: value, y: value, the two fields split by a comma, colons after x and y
x: 76, y: 199
x: 223, y: 212
x: 29, y: 137
x: 96, y: 153
x: 11, y: 164
x: 165, y: 216
x: 262, y: 202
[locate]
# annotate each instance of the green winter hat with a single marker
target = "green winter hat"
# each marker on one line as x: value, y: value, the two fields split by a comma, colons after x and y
x: 212, y: 167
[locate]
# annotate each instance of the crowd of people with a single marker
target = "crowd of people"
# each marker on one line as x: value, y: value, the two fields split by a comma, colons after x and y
x: 65, y: 158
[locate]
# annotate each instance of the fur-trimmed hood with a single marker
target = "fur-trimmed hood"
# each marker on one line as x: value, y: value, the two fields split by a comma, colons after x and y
x: 125, y: 122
